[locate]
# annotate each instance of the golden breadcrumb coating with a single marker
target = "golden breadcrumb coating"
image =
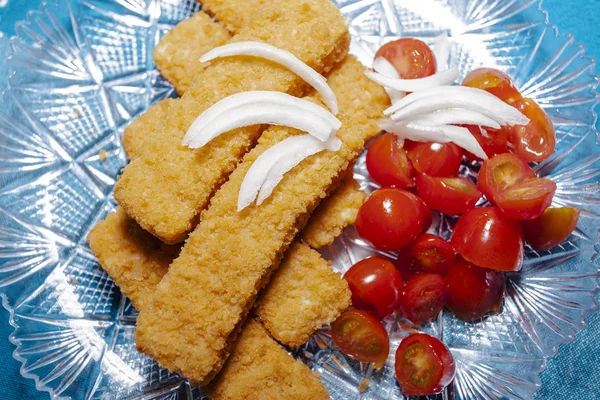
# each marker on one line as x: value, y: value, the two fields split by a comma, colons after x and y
x: 140, y: 128
x: 177, y: 55
x: 234, y: 14
x: 135, y: 260
x: 334, y: 214
x: 165, y: 188
x: 199, y: 304
x: 303, y: 295
x: 260, y: 369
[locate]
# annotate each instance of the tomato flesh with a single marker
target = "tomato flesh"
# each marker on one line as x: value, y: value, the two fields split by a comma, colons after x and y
x: 424, y: 365
x: 489, y: 239
x: 452, y: 196
x: 429, y: 254
x: 412, y: 58
x: 423, y: 298
x: 551, y: 228
x: 473, y: 291
x: 435, y: 159
x: 426, y: 213
x: 495, y: 82
x: 501, y: 172
x: 535, y: 141
x: 388, y: 164
x: 390, y: 219
x: 528, y: 199
x: 361, y: 336
x: 376, y: 286
x: 492, y: 141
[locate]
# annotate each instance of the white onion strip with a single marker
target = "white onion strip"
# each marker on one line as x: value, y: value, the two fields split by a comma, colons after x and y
x: 440, y: 78
x: 268, y: 104
x: 435, y: 133
x: 285, y: 164
x: 385, y: 68
x: 455, y: 116
x: 268, y: 169
x: 279, y: 56
x: 441, y: 50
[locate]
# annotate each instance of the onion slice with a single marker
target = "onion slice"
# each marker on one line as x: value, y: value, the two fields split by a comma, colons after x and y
x: 444, y: 97
x: 321, y: 122
x: 455, y: 116
x: 440, y: 78
x: 385, y: 68
x: 441, y: 50
x: 435, y: 133
x: 279, y: 56
x: 284, y: 164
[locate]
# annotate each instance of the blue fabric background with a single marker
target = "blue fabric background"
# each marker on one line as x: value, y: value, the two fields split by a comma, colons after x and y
x: 574, y: 373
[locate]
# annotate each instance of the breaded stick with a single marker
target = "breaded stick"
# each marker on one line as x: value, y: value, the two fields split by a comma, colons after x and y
x: 303, y: 296
x: 260, y: 369
x: 143, y: 126
x: 176, y: 181
x: 234, y: 14
x: 202, y: 300
x: 177, y: 55
x: 135, y: 259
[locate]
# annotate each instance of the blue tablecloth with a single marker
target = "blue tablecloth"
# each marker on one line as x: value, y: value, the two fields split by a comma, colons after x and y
x: 574, y: 373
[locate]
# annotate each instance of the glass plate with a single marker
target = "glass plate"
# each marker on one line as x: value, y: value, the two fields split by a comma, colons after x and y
x: 78, y: 71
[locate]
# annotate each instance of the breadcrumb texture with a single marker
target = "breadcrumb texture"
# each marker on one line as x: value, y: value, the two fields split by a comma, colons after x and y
x: 177, y: 55
x: 234, y: 14
x: 334, y: 214
x: 303, y: 296
x: 143, y: 126
x: 229, y: 257
x: 135, y: 260
x: 168, y: 184
x: 259, y: 369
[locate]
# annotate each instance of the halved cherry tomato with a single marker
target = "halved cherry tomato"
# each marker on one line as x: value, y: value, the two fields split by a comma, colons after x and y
x: 526, y: 200
x: 489, y: 239
x: 424, y: 365
x: 388, y: 163
x: 536, y: 140
x: 423, y: 298
x: 492, y: 141
x: 429, y: 254
x: 376, y: 286
x: 501, y: 172
x: 551, y: 228
x: 495, y: 82
x: 452, y: 196
x: 473, y: 291
x: 361, y: 336
x: 435, y: 159
x: 390, y: 219
x: 412, y: 58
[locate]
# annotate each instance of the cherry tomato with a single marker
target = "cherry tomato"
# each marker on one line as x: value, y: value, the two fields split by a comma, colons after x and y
x: 473, y: 291
x: 424, y: 365
x: 501, y: 172
x: 361, y: 336
x: 388, y: 163
x: 492, y: 141
x: 536, y: 140
x: 426, y: 212
x: 435, y: 159
x: 526, y: 200
x: 429, y: 254
x: 390, y: 219
x: 412, y: 58
x: 452, y: 196
x: 423, y: 298
x: 495, y: 82
x: 376, y: 286
x: 489, y: 239
x: 551, y: 228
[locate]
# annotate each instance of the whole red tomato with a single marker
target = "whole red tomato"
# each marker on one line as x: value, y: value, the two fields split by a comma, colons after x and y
x: 388, y: 163
x: 412, y: 58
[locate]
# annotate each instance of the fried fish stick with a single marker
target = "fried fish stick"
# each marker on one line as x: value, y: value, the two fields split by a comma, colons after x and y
x: 260, y: 369
x: 177, y: 55
x: 201, y: 301
x: 176, y: 181
x: 303, y: 296
x: 234, y: 14
x: 143, y: 126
